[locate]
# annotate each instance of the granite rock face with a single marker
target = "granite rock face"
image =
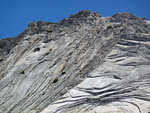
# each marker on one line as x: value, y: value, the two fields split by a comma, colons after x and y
x: 83, y: 64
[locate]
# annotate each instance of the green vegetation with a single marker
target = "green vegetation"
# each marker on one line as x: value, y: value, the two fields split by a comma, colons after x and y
x: 15, y: 43
x: 55, y: 80
x: 22, y: 72
x: 63, y: 73
x: 109, y: 27
x: 12, y: 52
x: 1, y: 59
x: 49, y: 31
x: 50, y: 49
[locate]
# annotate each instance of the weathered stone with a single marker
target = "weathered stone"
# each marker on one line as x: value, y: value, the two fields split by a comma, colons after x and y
x: 80, y: 66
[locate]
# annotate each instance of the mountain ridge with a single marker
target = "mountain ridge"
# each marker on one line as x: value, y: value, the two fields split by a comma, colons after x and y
x: 71, y: 57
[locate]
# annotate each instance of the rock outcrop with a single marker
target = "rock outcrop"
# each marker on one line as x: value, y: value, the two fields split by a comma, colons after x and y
x: 83, y: 64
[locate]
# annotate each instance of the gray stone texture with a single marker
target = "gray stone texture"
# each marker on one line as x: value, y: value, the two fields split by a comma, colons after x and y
x: 83, y: 64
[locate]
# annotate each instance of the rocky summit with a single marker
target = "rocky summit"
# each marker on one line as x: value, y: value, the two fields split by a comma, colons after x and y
x: 83, y: 64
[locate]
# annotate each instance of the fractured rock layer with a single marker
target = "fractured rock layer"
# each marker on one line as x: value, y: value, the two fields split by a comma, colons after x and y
x: 86, y: 63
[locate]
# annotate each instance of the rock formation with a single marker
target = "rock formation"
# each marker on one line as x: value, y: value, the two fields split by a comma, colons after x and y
x: 83, y: 64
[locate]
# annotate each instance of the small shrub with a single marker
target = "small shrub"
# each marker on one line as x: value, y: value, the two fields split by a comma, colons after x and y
x: 1, y: 59
x: 49, y: 31
x: 50, y: 49
x: 109, y: 27
x: 63, y: 73
x: 12, y: 52
x: 55, y: 80
x: 22, y: 72
x: 14, y: 44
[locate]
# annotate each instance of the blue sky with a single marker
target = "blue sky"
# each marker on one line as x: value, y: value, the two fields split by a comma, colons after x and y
x: 15, y: 15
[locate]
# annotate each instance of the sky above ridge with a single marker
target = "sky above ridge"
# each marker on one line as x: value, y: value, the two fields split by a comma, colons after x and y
x: 15, y: 15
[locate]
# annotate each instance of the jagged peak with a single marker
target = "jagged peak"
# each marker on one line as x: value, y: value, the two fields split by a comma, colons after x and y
x: 81, y: 15
x: 85, y: 13
x: 126, y: 16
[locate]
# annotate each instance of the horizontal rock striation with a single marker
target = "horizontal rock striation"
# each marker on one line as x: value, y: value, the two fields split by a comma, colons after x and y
x: 86, y: 63
x: 121, y: 83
